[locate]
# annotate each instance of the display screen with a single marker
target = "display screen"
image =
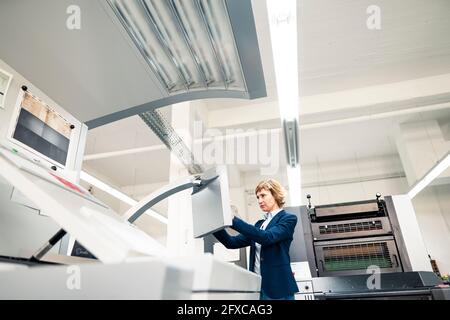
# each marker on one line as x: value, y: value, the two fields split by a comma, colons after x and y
x: 42, y: 129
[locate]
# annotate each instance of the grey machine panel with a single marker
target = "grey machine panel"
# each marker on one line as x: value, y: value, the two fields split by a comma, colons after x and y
x: 105, y: 76
x: 211, y: 208
x: 340, y: 209
x: 302, y: 245
x: 396, y: 285
x: 353, y: 228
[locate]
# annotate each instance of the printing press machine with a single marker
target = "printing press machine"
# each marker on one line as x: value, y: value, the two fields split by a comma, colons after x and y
x: 362, y: 250
x: 45, y: 213
x: 43, y: 206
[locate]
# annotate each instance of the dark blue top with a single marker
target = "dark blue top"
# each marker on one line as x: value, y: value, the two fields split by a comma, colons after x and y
x: 277, y: 278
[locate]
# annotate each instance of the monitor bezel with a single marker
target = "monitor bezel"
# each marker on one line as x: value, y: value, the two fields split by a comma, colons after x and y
x: 34, y: 154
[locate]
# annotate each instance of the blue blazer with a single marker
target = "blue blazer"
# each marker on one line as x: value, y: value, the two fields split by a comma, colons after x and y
x: 276, y: 273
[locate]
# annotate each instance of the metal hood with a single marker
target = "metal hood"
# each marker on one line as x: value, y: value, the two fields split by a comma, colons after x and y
x: 98, y: 72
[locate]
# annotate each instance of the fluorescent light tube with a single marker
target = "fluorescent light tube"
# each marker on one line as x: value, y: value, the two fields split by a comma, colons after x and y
x: 166, y: 27
x: 133, y: 17
x: 117, y: 194
x: 218, y: 24
x: 189, y: 44
x: 195, y: 31
x: 107, y: 188
x: 283, y: 32
x: 295, y: 185
x: 440, y: 167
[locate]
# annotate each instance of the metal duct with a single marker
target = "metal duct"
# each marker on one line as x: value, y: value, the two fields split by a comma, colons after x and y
x: 161, y: 127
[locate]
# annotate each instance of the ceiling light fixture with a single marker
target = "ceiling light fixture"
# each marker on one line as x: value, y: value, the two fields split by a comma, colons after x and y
x: 189, y: 44
x: 283, y: 31
x: 440, y: 167
x: 117, y: 194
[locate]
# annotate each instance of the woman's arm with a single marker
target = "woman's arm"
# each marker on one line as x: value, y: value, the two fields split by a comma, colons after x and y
x: 232, y: 242
x: 283, y: 230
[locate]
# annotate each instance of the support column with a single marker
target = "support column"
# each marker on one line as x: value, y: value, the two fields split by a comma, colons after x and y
x: 420, y: 146
x: 180, y: 239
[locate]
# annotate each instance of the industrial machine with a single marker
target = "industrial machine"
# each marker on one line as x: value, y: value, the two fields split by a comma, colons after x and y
x: 149, y: 278
x: 120, y: 247
x: 118, y: 58
x: 35, y: 181
x: 348, y: 238
x: 219, y: 280
x: 115, y: 59
x: 362, y: 250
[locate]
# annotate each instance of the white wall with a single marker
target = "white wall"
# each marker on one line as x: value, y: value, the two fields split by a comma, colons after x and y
x: 238, y: 199
x: 352, y: 180
x: 339, y: 181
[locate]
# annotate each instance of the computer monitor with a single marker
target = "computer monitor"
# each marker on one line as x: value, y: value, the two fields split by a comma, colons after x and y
x: 41, y: 130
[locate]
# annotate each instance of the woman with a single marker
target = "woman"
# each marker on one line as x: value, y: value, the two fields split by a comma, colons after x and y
x: 269, y: 242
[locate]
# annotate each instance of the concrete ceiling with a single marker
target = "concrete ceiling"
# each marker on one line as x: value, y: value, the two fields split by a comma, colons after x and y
x: 338, y: 52
x: 128, y: 169
x: 134, y: 169
x: 348, y: 141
